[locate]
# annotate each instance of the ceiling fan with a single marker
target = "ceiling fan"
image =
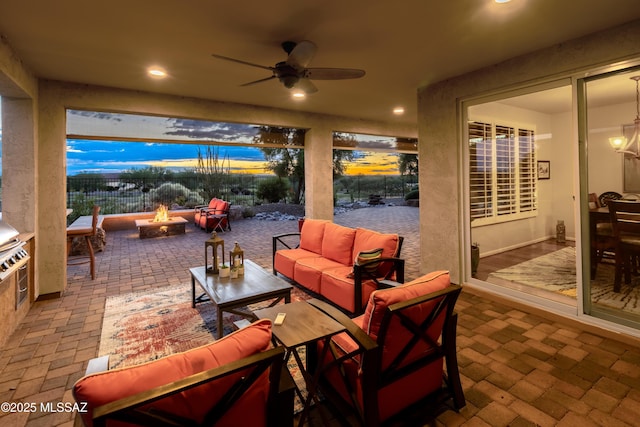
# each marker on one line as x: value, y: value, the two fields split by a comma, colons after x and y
x: 293, y: 73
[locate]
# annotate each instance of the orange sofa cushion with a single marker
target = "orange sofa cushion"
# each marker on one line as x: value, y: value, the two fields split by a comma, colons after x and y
x: 285, y: 260
x: 381, y: 299
x: 337, y: 286
x: 311, y: 235
x: 308, y: 272
x: 104, y: 387
x: 337, y: 243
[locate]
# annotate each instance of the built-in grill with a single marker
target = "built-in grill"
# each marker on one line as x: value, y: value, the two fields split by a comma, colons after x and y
x: 12, y: 253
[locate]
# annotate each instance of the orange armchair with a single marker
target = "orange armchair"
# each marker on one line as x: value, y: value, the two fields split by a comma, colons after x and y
x: 214, y: 216
x: 237, y: 380
x: 400, y: 354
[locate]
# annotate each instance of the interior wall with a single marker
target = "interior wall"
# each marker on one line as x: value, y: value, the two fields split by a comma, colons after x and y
x: 604, y: 164
x: 503, y: 236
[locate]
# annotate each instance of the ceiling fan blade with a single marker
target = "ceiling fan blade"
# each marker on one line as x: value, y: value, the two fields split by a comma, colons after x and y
x: 258, y: 81
x: 302, y: 54
x: 333, y: 73
x: 306, y: 86
x: 226, y: 58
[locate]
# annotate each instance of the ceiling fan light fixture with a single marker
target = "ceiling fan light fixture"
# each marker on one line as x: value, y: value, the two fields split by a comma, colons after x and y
x: 398, y: 111
x: 298, y: 94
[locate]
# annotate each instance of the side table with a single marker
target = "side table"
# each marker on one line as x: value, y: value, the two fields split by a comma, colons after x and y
x: 303, y: 325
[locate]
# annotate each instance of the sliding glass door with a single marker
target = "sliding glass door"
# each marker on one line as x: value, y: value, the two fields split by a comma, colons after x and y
x: 520, y: 175
x: 610, y: 103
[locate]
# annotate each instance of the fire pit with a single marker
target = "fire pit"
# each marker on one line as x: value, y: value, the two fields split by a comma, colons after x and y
x: 161, y: 225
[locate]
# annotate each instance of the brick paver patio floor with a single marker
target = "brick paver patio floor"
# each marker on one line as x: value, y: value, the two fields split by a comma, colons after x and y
x: 518, y: 369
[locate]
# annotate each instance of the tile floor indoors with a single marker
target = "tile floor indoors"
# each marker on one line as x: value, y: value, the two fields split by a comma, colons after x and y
x: 517, y: 368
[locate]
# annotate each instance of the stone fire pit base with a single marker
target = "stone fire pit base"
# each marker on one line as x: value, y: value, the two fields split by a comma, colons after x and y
x: 148, y: 228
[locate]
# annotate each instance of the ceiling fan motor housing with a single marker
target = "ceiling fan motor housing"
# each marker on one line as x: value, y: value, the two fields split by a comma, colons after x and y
x: 287, y: 75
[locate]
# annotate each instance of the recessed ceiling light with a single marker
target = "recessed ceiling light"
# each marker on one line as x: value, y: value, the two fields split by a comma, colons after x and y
x: 398, y: 110
x: 157, y: 72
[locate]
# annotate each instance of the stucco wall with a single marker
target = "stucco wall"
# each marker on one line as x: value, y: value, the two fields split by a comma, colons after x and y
x: 439, y: 132
x: 56, y: 96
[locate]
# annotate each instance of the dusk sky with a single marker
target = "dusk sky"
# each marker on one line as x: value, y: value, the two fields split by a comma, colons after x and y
x: 113, y: 157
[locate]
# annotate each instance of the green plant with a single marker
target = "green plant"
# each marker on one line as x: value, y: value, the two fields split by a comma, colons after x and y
x: 247, y: 212
x: 170, y: 192
x: 413, y: 194
x: 273, y: 189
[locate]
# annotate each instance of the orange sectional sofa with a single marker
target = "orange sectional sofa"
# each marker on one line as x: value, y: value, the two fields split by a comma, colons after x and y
x: 322, y: 258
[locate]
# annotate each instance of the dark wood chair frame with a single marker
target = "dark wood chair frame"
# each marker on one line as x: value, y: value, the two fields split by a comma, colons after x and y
x: 625, y: 219
x: 361, y: 272
x: 279, y: 404
x: 601, y: 236
x: 370, y: 353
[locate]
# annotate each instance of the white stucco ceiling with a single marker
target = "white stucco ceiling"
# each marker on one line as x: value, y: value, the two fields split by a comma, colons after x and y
x: 401, y: 45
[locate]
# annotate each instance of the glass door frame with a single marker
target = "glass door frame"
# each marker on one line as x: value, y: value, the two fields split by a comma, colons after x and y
x: 587, y: 308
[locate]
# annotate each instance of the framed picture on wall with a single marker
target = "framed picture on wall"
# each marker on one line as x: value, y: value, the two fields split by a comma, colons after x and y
x: 544, y: 169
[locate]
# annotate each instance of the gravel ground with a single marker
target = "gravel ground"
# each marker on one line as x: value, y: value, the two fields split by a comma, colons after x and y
x: 298, y: 210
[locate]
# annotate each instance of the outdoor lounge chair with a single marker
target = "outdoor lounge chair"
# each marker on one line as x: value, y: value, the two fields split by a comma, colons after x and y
x: 237, y: 380
x: 214, y: 216
x: 398, y: 356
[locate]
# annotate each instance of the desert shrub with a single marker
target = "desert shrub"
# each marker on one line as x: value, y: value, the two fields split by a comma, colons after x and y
x: 170, y: 193
x: 413, y: 194
x: 248, y: 212
x: 272, y: 189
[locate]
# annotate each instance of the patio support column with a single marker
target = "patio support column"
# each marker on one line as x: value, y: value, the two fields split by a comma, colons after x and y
x: 52, y: 195
x: 318, y: 171
x: 18, y: 152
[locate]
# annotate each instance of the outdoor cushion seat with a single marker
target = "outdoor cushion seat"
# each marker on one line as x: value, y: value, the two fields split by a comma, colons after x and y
x: 232, y: 381
x: 309, y: 271
x: 286, y: 259
x: 400, y: 354
x: 337, y: 285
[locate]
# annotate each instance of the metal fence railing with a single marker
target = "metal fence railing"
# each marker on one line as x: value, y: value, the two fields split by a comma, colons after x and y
x: 142, y: 195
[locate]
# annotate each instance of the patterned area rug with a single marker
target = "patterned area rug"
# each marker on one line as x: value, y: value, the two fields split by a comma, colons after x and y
x: 556, y: 272
x: 140, y: 327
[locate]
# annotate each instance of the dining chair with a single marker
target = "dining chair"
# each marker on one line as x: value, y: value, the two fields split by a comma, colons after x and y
x: 604, y: 198
x: 602, y: 241
x: 625, y: 219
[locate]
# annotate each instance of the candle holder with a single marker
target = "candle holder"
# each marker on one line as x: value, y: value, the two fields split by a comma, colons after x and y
x: 236, y: 258
x: 211, y: 258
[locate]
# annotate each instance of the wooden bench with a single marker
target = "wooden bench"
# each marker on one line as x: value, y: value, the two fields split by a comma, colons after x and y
x: 79, y: 246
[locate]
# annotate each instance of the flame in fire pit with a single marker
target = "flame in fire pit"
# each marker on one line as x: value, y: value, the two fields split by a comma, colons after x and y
x: 162, y: 214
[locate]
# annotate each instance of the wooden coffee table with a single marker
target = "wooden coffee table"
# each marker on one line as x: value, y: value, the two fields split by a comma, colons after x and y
x: 256, y: 285
x: 304, y: 325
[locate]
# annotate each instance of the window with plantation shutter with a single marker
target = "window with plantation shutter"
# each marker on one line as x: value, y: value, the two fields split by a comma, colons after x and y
x: 502, y: 173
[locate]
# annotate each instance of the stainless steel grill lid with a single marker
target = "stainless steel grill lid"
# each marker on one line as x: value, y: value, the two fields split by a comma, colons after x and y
x: 8, y: 236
